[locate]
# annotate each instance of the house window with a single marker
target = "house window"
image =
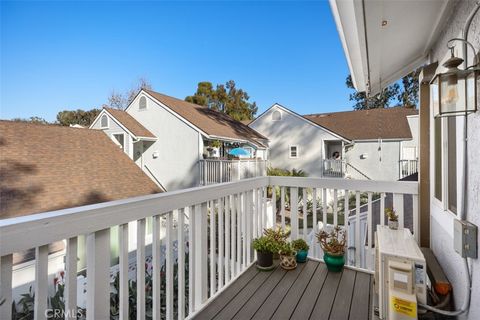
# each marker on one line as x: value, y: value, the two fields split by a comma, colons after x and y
x: 452, y: 164
x: 104, y: 121
x: 142, y: 103
x: 276, y: 116
x: 120, y: 138
x: 293, y: 151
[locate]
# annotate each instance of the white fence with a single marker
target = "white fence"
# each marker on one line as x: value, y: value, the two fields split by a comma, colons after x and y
x: 333, y: 168
x: 407, y: 167
x: 218, y: 171
x: 218, y: 224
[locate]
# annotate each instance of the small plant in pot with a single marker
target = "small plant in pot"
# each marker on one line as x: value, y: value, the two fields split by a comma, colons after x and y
x: 392, y: 218
x: 265, y: 248
x: 288, y: 255
x: 278, y: 236
x: 333, y: 246
x: 301, y: 247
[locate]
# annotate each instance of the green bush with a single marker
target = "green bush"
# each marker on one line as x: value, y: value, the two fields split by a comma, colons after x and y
x: 265, y: 244
x: 286, y: 249
x: 300, y: 244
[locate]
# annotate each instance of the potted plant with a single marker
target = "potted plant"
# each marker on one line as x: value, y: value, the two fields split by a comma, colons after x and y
x: 265, y: 248
x: 287, y: 256
x: 301, y: 247
x: 333, y: 246
x: 392, y: 218
x: 278, y: 236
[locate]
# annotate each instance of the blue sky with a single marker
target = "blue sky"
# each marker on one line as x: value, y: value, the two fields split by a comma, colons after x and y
x: 69, y: 55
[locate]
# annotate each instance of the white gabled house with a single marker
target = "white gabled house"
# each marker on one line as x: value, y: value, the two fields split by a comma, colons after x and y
x: 170, y: 139
x: 379, y: 144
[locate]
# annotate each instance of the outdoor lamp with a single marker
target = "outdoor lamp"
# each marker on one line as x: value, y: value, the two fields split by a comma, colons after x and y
x: 456, y: 91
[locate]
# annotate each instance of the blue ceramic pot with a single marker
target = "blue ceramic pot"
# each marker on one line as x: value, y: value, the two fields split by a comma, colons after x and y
x: 302, y: 256
x: 334, y: 263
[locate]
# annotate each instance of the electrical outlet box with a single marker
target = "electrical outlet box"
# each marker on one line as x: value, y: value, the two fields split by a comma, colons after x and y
x: 465, y: 238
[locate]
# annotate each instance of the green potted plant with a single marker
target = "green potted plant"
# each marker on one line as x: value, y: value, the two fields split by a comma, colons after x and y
x: 265, y: 248
x: 301, y: 247
x: 287, y: 256
x: 333, y: 246
x: 278, y: 236
x: 392, y: 218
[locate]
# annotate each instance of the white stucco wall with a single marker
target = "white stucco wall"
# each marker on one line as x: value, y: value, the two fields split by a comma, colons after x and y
x: 115, y: 128
x: 291, y: 130
x: 178, y: 146
x: 413, y: 122
x: 381, y: 162
x: 441, y: 222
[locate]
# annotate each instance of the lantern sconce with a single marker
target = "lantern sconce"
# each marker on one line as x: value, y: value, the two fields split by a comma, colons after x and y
x: 456, y: 91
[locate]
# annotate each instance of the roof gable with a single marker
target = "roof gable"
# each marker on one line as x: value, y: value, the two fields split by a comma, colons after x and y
x: 46, y: 167
x: 388, y: 123
x: 129, y: 123
x: 213, y: 123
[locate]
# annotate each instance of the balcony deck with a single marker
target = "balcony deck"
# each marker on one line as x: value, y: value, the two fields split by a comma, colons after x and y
x: 308, y: 292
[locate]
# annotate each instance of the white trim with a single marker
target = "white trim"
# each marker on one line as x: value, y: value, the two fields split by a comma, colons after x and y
x: 290, y: 151
x: 293, y: 113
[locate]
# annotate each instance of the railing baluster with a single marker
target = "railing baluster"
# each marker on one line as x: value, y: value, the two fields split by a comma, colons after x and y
x: 314, y: 222
x: 238, y: 210
x: 244, y: 229
x: 357, y: 230
x: 221, y: 243
x: 98, y: 270
x: 201, y: 253
x: 169, y: 265
x: 282, y: 206
x: 181, y: 263
x: 335, y: 207
x: 6, y: 286
x: 398, y: 207
x: 71, y: 279
x: 233, y: 236
x: 416, y: 222
x: 251, y: 224
x: 227, y: 239
x: 213, y: 235
x: 274, y: 206
x: 294, y: 212
x: 346, y: 214
x: 382, y: 208
x: 191, y: 259
x: 140, y: 269
x: 41, y: 282
x: 305, y: 214
x: 156, y: 267
x: 263, y: 210
x: 324, y: 208
x: 370, y: 230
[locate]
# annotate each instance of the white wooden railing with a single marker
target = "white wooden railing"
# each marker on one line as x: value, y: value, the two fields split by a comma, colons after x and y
x: 218, y: 171
x: 213, y: 226
x: 407, y: 167
x: 333, y: 168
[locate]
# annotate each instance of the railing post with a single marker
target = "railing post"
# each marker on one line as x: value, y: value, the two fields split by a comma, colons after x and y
x: 204, y: 172
x: 6, y: 286
x: 98, y: 271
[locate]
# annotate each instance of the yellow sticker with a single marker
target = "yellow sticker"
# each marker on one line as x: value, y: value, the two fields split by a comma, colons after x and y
x: 405, y: 307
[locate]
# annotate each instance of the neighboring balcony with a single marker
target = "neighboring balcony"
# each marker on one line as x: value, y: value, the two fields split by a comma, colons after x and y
x: 214, y: 171
x: 407, y: 167
x: 333, y: 168
x: 197, y: 260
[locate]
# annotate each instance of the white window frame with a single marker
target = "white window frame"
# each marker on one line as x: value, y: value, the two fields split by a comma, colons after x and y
x: 108, y: 121
x: 146, y: 104
x: 279, y: 112
x: 290, y: 151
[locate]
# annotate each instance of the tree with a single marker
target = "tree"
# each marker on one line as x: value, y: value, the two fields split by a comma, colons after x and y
x: 79, y: 116
x: 121, y: 101
x: 405, y: 94
x: 225, y: 98
x: 36, y: 120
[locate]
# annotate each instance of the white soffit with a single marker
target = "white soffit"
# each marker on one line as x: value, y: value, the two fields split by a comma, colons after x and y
x: 401, y: 44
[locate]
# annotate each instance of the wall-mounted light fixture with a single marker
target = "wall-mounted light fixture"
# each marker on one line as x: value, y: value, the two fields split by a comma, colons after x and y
x: 455, y: 92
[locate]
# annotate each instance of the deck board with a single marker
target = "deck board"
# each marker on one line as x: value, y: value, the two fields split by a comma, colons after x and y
x: 308, y: 292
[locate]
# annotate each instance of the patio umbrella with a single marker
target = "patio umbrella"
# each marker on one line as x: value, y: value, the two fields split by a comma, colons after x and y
x: 238, y: 152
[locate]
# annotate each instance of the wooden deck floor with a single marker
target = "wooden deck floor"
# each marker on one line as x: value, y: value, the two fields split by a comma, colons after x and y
x: 308, y: 292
